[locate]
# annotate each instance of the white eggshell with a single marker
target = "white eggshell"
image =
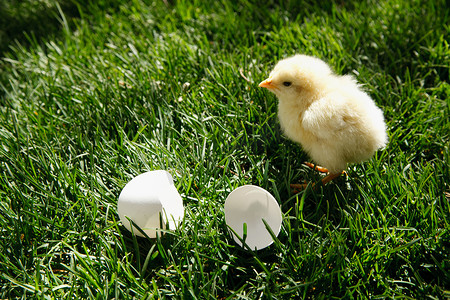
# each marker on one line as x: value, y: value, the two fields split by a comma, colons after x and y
x: 145, y: 198
x: 250, y: 204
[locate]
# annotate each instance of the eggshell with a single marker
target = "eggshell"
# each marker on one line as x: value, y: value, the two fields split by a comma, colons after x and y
x: 147, y: 197
x: 250, y: 204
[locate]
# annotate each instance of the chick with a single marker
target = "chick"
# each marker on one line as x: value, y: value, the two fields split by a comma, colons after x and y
x: 333, y: 120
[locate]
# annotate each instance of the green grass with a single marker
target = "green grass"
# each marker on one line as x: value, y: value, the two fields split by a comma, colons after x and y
x: 93, y: 95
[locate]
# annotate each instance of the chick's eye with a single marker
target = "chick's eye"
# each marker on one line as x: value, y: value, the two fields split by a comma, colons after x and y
x: 287, y: 83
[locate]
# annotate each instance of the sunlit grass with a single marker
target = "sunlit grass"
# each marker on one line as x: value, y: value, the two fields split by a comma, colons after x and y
x: 116, y: 89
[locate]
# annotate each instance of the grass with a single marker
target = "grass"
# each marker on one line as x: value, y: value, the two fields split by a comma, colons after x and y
x: 94, y: 94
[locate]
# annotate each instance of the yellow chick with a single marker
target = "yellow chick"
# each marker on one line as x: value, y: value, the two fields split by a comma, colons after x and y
x: 334, y: 121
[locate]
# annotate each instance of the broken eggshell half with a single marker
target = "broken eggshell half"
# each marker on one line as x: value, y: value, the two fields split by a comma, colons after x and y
x: 152, y: 202
x: 245, y: 209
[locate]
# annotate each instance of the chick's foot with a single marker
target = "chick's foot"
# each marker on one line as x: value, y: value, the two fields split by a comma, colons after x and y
x: 297, y: 187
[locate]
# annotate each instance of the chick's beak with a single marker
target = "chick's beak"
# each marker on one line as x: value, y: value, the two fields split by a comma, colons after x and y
x: 267, y: 84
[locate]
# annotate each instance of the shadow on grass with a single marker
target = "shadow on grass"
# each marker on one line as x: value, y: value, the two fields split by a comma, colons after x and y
x: 29, y: 22
x: 22, y: 20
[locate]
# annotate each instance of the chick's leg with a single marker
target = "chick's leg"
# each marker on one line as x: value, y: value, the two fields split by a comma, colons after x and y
x: 315, y: 167
x: 330, y: 177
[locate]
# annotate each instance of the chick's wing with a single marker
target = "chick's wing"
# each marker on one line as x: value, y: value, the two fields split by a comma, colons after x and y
x: 328, y: 117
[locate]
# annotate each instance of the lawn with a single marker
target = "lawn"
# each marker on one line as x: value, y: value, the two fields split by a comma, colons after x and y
x: 91, y: 95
